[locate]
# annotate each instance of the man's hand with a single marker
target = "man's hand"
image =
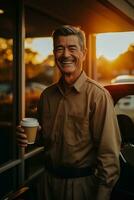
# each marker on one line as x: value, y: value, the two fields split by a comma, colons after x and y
x: 21, y: 137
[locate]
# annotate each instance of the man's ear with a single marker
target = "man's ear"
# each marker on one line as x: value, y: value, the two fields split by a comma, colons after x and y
x: 84, y: 53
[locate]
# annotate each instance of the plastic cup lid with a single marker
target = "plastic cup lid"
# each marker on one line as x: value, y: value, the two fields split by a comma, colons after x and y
x: 29, y: 122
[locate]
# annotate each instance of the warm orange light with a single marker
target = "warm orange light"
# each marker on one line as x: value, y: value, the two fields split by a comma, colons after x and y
x: 43, y: 47
x: 111, y: 45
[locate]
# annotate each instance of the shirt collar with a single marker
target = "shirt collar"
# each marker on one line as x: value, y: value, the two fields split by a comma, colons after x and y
x: 77, y: 85
x: 80, y: 81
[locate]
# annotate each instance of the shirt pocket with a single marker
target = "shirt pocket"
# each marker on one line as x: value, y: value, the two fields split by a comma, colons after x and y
x: 77, y: 130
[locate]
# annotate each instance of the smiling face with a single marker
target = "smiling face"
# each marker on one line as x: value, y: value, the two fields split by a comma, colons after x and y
x: 69, y: 55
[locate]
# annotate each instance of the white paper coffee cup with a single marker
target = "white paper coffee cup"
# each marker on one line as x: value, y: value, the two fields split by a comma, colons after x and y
x: 30, y: 126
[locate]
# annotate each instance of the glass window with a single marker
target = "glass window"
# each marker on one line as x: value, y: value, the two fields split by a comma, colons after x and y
x: 40, y: 70
x: 115, y: 55
x: 125, y: 106
x: 125, y: 114
x: 6, y: 81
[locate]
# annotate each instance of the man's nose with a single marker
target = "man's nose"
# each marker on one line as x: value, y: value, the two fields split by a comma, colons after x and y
x: 66, y: 52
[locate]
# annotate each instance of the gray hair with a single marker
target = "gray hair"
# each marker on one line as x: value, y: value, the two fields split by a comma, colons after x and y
x: 66, y: 30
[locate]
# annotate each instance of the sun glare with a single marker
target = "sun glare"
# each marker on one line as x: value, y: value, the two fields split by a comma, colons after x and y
x: 111, y: 45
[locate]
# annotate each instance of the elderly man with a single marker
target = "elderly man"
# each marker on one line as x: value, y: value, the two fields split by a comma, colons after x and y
x: 79, y: 128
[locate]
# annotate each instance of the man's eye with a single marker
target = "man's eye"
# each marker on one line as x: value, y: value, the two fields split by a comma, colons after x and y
x: 72, y: 49
x: 59, y: 49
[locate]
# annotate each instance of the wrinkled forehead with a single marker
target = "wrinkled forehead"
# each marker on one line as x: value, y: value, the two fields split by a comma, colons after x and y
x: 67, y: 40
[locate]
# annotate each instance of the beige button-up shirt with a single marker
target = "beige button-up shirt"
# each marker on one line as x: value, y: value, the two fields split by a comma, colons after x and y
x: 80, y: 128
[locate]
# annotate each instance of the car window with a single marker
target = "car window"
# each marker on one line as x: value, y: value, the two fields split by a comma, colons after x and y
x: 125, y: 106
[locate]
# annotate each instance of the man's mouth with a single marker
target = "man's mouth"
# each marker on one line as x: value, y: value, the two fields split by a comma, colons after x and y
x: 67, y: 62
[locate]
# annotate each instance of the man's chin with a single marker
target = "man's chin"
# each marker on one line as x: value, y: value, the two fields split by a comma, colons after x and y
x: 68, y: 70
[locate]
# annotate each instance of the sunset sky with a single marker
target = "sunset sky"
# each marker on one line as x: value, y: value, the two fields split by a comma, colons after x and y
x: 44, y: 47
x: 109, y: 45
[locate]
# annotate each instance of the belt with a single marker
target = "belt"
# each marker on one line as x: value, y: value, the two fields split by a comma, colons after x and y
x: 69, y: 172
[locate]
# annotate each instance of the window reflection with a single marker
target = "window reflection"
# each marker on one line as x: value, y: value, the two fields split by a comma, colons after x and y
x: 126, y: 106
x: 6, y: 69
x: 125, y: 115
x: 40, y: 70
x: 6, y: 98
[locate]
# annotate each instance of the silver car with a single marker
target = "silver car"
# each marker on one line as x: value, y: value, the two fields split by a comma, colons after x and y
x: 125, y: 105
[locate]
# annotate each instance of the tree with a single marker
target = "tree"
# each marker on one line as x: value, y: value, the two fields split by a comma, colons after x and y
x: 126, y: 60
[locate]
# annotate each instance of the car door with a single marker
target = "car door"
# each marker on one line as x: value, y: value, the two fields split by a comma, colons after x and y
x: 123, y: 97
